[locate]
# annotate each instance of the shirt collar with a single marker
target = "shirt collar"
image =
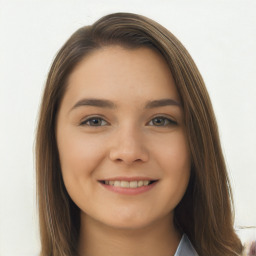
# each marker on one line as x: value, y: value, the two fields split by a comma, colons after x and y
x: 185, y: 247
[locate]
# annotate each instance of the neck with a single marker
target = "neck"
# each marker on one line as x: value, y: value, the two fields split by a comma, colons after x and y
x: 97, y: 239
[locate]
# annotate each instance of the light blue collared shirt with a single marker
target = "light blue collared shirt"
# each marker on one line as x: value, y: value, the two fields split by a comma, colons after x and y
x: 185, y: 248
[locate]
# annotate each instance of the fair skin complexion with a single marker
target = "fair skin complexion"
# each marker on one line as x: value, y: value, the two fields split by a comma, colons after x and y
x: 133, y: 130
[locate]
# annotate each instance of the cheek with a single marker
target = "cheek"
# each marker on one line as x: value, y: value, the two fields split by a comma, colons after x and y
x: 174, y: 159
x: 173, y: 153
x: 178, y: 162
x: 79, y: 153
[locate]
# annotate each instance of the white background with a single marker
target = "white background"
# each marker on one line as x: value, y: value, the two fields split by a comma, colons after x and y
x: 219, y: 34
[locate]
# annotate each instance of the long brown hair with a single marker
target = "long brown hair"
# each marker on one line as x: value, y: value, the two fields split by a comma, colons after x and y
x: 205, y: 213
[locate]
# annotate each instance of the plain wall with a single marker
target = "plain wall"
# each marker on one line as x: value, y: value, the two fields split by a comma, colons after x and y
x: 219, y: 34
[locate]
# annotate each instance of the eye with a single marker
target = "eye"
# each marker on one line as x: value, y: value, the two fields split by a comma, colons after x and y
x: 162, y: 121
x: 94, y: 121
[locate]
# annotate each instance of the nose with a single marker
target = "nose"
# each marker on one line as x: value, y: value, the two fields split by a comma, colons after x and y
x: 128, y: 147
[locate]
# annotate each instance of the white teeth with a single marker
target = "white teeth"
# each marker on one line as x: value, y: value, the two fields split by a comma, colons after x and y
x: 127, y: 184
x: 145, y: 182
x: 133, y: 184
x: 140, y: 183
x: 117, y: 183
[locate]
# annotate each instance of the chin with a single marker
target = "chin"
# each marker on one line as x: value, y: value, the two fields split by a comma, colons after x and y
x: 129, y: 225
x: 130, y: 221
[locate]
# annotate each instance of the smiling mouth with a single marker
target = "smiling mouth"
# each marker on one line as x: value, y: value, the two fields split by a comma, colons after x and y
x: 127, y: 184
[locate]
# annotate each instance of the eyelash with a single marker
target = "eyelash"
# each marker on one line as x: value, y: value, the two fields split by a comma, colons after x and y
x: 167, y: 121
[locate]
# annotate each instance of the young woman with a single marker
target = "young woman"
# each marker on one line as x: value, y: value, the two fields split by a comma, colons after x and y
x: 128, y: 154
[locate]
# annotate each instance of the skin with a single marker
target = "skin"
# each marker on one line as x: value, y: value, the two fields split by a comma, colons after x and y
x: 126, y: 141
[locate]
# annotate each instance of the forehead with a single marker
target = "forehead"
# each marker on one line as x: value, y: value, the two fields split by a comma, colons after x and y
x: 122, y: 74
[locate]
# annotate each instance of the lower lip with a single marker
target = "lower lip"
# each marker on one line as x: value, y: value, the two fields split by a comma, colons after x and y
x: 129, y: 191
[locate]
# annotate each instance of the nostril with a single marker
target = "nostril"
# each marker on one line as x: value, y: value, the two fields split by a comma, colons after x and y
x: 128, y: 156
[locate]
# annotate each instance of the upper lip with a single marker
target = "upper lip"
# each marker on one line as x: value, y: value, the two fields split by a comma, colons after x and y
x: 134, y: 178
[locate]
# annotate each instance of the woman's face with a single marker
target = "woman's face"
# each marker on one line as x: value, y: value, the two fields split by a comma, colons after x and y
x: 121, y: 138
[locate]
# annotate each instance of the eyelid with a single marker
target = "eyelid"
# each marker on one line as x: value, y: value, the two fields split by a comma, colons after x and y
x: 171, y: 120
x: 89, y: 118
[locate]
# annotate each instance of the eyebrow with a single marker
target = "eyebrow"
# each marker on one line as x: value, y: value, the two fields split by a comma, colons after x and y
x: 109, y: 104
x: 162, y: 103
